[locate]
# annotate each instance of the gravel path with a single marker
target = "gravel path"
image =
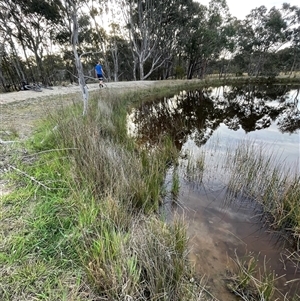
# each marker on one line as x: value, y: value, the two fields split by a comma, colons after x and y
x: 20, y: 110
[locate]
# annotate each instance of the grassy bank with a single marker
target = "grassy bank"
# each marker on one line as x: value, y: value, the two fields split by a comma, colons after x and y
x: 81, y: 223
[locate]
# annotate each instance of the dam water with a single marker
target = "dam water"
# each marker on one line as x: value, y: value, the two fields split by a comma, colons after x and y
x: 208, y: 125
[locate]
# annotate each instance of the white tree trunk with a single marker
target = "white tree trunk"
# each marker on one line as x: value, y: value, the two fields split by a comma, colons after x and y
x: 74, y: 40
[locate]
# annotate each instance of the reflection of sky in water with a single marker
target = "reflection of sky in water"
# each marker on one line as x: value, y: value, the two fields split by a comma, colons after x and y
x: 270, y: 138
x: 285, y: 147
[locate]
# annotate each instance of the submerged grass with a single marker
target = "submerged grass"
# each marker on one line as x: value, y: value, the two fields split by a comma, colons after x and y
x: 263, y: 178
x: 252, y: 283
x: 251, y: 173
x: 82, y: 223
x: 195, y: 167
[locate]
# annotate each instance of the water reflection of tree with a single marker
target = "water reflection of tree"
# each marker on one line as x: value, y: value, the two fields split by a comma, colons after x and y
x: 255, y: 112
x: 200, y: 113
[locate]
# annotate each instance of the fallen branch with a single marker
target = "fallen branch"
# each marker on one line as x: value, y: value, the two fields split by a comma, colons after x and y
x: 7, y: 142
x: 28, y: 176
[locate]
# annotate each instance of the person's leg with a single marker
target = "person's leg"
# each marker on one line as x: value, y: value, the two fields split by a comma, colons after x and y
x: 101, y: 82
x: 99, y: 78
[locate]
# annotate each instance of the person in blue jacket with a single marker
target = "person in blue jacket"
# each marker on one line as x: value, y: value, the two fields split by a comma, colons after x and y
x: 99, y: 74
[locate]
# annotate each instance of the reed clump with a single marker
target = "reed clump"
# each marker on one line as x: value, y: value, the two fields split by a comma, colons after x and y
x: 272, y: 184
x: 195, y: 166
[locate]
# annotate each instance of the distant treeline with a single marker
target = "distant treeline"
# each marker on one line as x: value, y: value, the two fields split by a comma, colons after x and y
x: 148, y: 40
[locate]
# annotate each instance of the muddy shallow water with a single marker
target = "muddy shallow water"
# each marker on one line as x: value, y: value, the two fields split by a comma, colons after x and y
x: 219, y: 230
x: 213, y: 122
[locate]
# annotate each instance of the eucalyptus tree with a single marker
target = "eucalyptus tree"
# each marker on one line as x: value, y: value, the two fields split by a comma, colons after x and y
x: 2, y: 78
x: 152, y: 27
x: 118, y: 56
x: 4, y: 36
x: 62, y: 14
x: 66, y: 15
x: 191, y: 36
x: 71, y: 9
x: 114, y: 50
x: 292, y: 15
x: 30, y: 24
x: 11, y: 71
x: 295, y: 50
x: 118, y: 53
x: 206, y: 34
x: 264, y: 32
x: 96, y: 10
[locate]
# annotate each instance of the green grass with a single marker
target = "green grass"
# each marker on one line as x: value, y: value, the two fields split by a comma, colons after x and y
x: 175, y: 183
x: 82, y: 221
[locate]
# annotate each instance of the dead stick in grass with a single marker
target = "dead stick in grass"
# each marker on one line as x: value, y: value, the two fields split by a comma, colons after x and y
x: 30, y: 177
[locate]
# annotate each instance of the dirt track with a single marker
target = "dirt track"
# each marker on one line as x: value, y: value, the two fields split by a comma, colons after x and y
x: 19, y: 110
x: 6, y: 98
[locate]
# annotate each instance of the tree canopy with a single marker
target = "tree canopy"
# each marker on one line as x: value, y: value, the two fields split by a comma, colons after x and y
x: 146, y: 39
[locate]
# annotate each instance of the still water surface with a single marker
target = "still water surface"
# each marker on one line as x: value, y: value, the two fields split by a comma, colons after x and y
x: 214, y: 121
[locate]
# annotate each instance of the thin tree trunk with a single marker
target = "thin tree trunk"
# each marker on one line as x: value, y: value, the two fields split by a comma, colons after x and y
x: 293, y: 66
x: 74, y: 40
x: 134, y: 67
x: 2, y: 78
x: 190, y: 70
x: 141, y: 69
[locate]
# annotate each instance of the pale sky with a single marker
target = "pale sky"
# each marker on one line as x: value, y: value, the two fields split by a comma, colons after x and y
x: 241, y: 8
x: 237, y: 8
